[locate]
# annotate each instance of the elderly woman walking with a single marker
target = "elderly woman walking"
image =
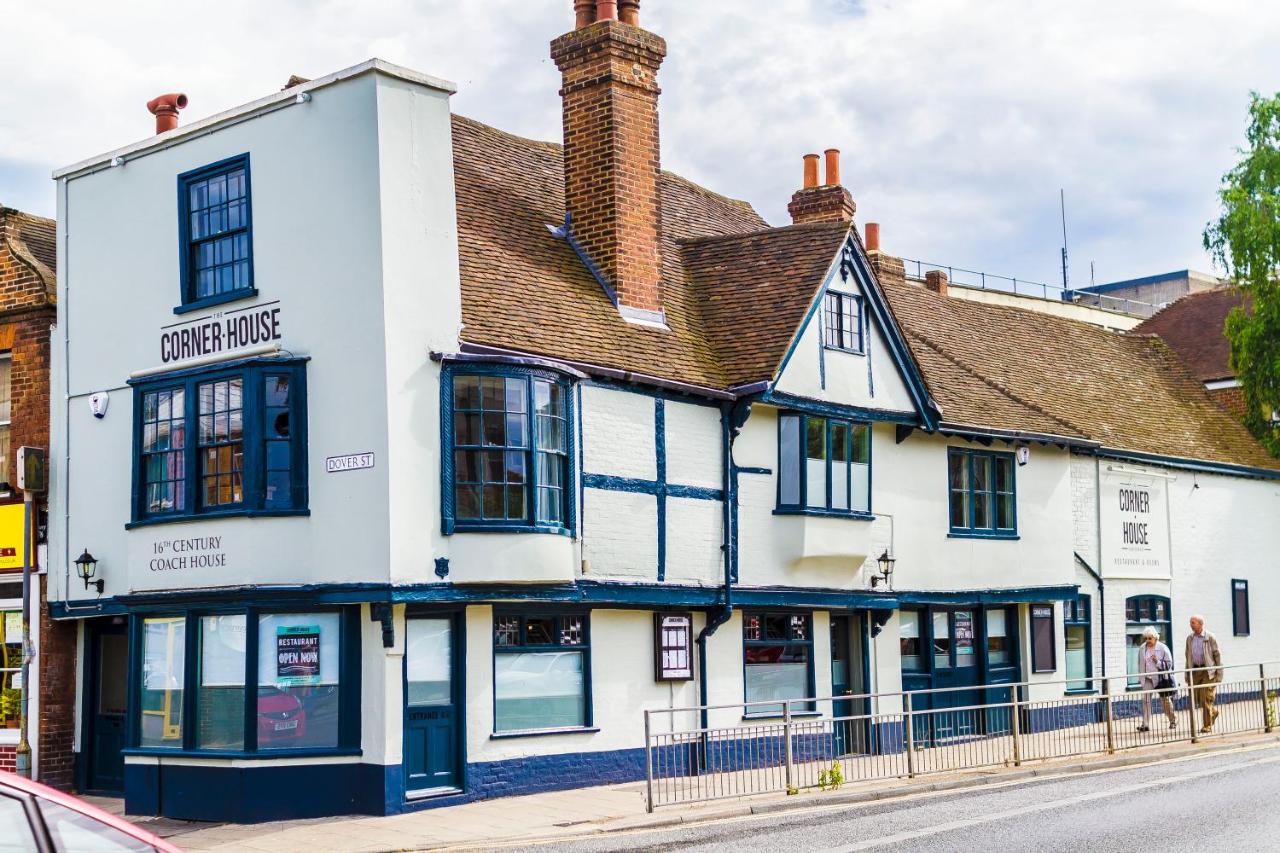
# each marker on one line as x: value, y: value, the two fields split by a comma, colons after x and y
x: 1154, y: 659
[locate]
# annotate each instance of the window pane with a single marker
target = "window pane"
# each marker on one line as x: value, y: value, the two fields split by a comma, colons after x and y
x: 222, y: 459
x: 860, y: 472
x: 1004, y: 474
x: 466, y: 392
x: 941, y: 640
x: 538, y: 690
x: 164, y: 643
x: 816, y: 462
x: 982, y: 510
x: 909, y: 639
x: 964, y: 638
x: 221, y: 699
x: 776, y: 672
x: 839, y: 466
x: 298, y: 666
x: 428, y: 660
x: 1004, y: 512
x: 789, y: 460
x: 540, y: 631
x: 997, y: 637
x: 72, y: 830
x: 15, y: 827
x: 1077, y: 656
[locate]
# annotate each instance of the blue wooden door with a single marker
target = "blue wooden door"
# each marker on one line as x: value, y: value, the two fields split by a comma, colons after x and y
x: 109, y: 663
x: 955, y: 665
x: 431, y: 714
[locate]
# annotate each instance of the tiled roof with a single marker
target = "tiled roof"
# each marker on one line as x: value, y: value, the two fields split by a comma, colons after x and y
x: 1008, y: 368
x: 34, y: 240
x: 1193, y: 326
x: 524, y: 288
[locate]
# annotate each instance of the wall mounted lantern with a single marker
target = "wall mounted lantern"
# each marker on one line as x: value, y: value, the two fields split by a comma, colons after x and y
x: 86, y: 567
x: 886, y: 569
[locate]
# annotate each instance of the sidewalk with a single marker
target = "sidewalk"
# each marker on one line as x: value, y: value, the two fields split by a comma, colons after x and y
x: 609, y: 808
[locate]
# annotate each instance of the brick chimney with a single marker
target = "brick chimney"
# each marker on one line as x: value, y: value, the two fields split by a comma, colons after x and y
x: 936, y: 280
x: 886, y: 267
x: 829, y: 202
x: 610, y: 92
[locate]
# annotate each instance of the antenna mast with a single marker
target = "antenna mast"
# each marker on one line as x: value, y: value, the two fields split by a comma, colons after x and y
x: 1062, y: 199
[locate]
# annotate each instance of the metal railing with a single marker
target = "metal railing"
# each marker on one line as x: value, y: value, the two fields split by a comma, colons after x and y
x: 789, y: 745
x: 978, y: 280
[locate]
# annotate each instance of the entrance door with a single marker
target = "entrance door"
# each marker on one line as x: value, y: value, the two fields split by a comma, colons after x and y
x: 850, y: 736
x: 955, y: 664
x: 107, y: 704
x: 431, y: 718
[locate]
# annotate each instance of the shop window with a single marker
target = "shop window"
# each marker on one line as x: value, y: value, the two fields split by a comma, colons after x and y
x: 1240, y: 607
x: 164, y: 655
x: 1077, y: 628
x: 999, y: 648
x: 508, y: 466
x: 824, y: 465
x: 227, y: 441
x: 217, y: 239
x: 941, y: 639
x: 909, y: 640
x: 6, y: 414
x: 1043, y: 639
x: 540, y: 666
x: 982, y: 495
x: 778, y: 661
x: 288, y: 667
x: 10, y: 656
x: 1142, y: 612
x: 842, y: 321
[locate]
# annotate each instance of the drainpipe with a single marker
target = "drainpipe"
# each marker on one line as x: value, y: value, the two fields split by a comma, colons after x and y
x: 732, y: 417
x: 1097, y: 526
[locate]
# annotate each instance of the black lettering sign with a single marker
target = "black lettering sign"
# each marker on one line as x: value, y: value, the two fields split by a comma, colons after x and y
x: 221, y: 333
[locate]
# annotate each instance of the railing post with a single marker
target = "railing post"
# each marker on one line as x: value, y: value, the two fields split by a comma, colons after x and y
x: 1191, y: 704
x: 648, y: 766
x: 1109, y: 715
x: 1016, y: 723
x: 1262, y: 688
x: 911, y: 737
x: 786, y: 733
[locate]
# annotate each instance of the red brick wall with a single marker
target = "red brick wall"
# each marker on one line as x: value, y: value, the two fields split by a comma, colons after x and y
x: 57, y: 696
x: 7, y: 758
x: 1231, y: 399
x: 611, y: 169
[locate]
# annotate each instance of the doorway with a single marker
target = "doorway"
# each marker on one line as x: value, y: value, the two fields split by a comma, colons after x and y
x: 432, y: 727
x: 848, y: 678
x: 106, y: 704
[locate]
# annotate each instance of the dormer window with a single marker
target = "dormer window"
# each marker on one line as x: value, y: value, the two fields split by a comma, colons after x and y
x: 217, y: 240
x: 842, y: 321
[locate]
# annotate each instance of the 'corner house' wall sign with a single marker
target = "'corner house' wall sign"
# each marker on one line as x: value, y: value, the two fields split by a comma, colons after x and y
x: 220, y: 332
x: 1135, y: 526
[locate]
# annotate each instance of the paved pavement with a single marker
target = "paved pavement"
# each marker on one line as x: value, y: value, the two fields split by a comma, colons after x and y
x: 1202, y: 803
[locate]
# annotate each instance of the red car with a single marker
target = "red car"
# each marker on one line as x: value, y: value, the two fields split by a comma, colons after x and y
x: 35, y: 817
x: 281, y: 718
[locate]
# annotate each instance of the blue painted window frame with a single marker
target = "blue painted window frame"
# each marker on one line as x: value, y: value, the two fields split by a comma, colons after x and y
x: 450, y: 522
x: 187, y: 246
x: 1240, y: 622
x: 1141, y: 611
x: 797, y: 708
x: 970, y: 530
x: 523, y: 646
x: 254, y: 373
x: 1079, y: 614
x: 835, y: 319
x: 801, y: 507
x: 349, y: 671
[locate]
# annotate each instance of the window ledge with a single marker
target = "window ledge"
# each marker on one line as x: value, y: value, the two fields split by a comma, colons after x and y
x: 1085, y: 692
x: 961, y: 534
x: 220, y: 299
x: 567, y: 730
x: 834, y: 348
x: 465, y: 527
x: 206, y: 516
x: 261, y: 755
x: 794, y: 715
x: 856, y: 515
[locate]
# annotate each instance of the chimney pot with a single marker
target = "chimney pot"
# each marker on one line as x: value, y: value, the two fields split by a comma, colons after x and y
x: 936, y: 280
x: 629, y: 12
x: 606, y: 10
x: 584, y: 13
x: 165, y: 109
x: 810, y: 171
x: 833, y: 167
x: 873, y: 236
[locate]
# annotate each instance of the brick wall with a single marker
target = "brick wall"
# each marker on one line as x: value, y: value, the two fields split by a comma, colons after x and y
x: 57, y: 720
x: 7, y: 758
x: 1231, y: 399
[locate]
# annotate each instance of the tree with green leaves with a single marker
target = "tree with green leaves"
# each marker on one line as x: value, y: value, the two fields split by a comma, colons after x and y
x: 1245, y: 242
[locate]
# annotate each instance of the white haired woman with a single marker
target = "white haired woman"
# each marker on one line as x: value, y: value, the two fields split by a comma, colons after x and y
x: 1154, y: 659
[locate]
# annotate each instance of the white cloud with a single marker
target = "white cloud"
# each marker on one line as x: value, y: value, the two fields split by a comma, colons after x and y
x: 958, y: 120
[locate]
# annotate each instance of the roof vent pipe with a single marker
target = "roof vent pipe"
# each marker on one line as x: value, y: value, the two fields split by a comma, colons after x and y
x: 810, y: 171
x: 873, y: 237
x: 165, y: 109
x: 833, y: 167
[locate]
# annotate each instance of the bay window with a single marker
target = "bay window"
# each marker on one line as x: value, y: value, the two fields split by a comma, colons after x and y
x: 508, y: 454
x: 824, y: 465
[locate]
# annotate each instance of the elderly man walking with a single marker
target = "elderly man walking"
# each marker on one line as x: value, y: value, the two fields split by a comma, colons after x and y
x: 1206, y: 669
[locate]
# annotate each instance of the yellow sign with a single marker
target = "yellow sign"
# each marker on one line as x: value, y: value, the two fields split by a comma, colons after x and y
x: 10, y: 537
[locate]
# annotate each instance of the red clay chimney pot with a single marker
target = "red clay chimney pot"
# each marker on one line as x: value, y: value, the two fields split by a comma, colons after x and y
x: 833, y: 167
x: 873, y: 236
x: 584, y: 13
x: 165, y: 109
x: 629, y: 12
x: 606, y: 10
x: 810, y: 171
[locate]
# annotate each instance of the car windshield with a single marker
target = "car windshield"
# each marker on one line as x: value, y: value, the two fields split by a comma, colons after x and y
x: 72, y: 830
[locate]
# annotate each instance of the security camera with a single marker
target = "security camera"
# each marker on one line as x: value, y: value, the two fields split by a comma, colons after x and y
x: 98, y: 404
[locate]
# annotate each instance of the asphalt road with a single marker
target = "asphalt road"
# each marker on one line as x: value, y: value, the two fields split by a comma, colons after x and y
x: 1220, y: 801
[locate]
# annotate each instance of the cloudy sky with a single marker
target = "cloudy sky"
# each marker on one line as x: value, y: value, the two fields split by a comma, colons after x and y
x: 960, y: 120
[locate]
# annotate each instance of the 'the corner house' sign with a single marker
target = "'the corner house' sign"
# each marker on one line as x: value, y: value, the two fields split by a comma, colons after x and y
x: 220, y: 332
x: 1135, y: 525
